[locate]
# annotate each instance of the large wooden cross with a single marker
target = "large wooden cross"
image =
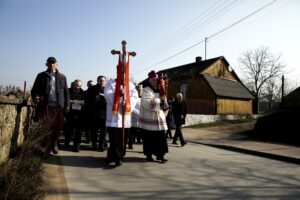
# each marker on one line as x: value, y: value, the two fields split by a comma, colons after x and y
x: 123, y: 59
x: 114, y: 52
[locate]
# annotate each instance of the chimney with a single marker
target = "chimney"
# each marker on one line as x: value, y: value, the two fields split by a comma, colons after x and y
x: 198, y: 59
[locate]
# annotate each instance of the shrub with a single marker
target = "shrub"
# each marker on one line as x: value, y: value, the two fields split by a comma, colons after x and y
x: 22, y: 176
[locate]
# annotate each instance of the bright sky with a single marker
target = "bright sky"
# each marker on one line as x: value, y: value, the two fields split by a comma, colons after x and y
x: 81, y: 34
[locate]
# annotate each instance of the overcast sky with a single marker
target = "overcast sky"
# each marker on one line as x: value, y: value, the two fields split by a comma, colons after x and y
x: 81, y: 34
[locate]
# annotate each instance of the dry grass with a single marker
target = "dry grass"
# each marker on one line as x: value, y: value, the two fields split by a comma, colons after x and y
x: 22, y: 176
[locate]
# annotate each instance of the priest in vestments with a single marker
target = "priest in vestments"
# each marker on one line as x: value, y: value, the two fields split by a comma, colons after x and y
x: 118, y: 110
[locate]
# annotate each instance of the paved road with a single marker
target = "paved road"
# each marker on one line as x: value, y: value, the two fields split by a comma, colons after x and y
x: 194, y: 171
x: 232, y: 137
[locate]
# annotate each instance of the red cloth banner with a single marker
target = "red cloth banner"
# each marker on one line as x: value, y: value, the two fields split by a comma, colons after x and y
x: 119, y: 83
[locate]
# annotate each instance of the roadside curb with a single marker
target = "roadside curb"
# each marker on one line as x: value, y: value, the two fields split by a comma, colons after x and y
x: 58, y: 187
x: 252, y: 152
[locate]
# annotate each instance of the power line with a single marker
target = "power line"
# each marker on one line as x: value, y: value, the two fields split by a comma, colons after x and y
x: 215, y: 34
x: 242, y: 19
x: 203, y: 20
x: 207, y: 21
x: 218, y: 10
x: 179, y: 36
x: 170, y: 57
x: 183, y: 28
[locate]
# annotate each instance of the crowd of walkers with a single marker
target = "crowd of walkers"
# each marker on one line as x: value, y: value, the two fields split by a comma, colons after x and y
x: 110, y: 116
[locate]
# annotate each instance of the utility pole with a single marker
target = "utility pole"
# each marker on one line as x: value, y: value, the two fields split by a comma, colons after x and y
x: 282, y: 88
x: 205, y: 46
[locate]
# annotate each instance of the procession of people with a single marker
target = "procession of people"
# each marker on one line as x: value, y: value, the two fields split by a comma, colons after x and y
x: 113, y: 114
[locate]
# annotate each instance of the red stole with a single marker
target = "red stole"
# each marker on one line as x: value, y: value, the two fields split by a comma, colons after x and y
x: 117, y: 102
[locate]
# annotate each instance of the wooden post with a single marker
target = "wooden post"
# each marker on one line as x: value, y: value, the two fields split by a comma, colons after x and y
x: 24, y: 90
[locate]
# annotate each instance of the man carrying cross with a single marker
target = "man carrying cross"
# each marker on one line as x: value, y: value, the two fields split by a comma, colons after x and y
x: 121, y: 96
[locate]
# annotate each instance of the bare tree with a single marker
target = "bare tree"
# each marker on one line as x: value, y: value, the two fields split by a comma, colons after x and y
x: 258, y: 66
x: 272, y: 90
x: 271, y: 93
x: 289, y: 85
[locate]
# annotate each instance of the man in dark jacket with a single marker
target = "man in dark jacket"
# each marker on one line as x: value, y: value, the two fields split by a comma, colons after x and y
x: 95, y: 99
x: 74, y: 117
x: 50, y: 93
x: 87, y: 112
x: 179, y: 110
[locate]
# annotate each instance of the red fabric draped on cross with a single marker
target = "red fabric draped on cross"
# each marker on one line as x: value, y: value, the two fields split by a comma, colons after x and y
x: 116, y: 104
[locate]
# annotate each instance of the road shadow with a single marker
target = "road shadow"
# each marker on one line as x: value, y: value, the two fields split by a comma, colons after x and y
x: 86, y: 161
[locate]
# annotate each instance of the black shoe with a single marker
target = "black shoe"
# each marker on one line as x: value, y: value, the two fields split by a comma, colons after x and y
x: 94, y: 148
x: 161, y: 158
x: 101, y: 149
x: 184, y: 143
x: 107, y: 161
x: 174, y: 143
x: 76, y: 148
x: 130, y: 147
x: 149, y: 158
x: 55, y: 149
x: 118, y: 163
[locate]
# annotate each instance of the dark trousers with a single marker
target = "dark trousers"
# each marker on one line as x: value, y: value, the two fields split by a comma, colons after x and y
x: 136, y: 135
x: 87, y: 133
x: 98, y: 124
x: 130, y: 137
x: 117, y: 144
x: 88, y: 124
x: 178, y: 134
x: 154, y: 143
x: 169, y: 132
x: 52, y: 123
x: 73, y: 127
